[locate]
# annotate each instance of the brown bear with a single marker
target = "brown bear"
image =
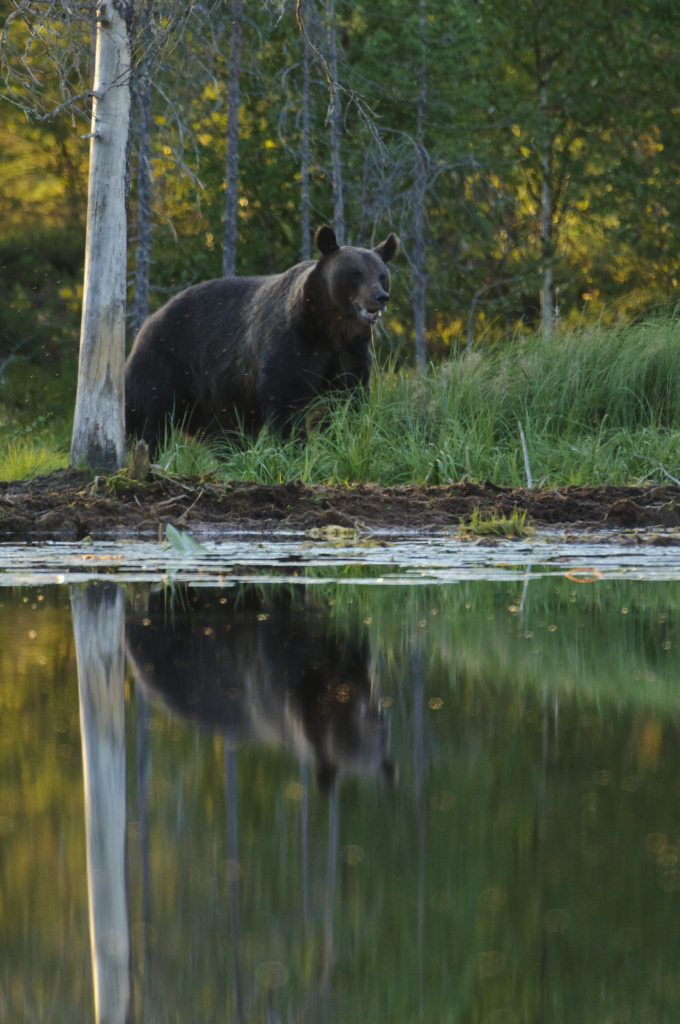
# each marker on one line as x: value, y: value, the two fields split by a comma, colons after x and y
x: 257, y: 350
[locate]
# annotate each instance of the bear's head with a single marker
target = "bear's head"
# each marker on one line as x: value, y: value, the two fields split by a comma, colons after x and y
x: 358, y: 280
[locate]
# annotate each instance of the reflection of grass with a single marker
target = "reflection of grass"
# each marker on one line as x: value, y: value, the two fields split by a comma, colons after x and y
x: 501, y: 525
x: 25, y: 457
x: 615, y: 641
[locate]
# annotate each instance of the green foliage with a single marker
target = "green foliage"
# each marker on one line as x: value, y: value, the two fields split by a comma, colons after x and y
x: 508, y: 83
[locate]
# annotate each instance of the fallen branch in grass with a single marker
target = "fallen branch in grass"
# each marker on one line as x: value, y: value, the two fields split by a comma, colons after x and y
x: 660, y: 466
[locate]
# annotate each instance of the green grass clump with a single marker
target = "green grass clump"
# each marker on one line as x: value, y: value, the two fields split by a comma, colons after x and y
x: 25, y: 457
x: 480, y: 525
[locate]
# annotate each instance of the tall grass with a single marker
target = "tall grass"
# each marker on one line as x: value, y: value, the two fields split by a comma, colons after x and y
x: 596, y: 406
x: 601, y: 406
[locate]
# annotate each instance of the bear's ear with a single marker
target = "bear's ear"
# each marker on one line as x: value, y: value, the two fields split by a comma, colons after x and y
x: 326, y: 242
x: 388, y: 249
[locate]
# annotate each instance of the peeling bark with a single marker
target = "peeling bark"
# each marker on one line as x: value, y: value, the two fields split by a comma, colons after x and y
x: 99, y: 423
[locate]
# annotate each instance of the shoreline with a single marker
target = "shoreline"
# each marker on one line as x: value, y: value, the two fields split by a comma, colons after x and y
x: 72, y: 505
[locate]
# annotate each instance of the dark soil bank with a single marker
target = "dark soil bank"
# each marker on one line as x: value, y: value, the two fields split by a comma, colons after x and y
x: 69, y: 505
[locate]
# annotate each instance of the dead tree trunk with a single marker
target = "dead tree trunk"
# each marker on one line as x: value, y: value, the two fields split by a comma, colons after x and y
x: 547, y: 234
x: 336, y: 127
x: 304, y: 155
x: 99, y: 423
x: 419, y: 280
x: 231, y: 198
x: 98, y: 614
x: 141, y: 306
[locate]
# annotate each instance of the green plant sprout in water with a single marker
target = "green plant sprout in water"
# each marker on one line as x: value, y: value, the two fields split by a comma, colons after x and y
x: 480, y: 525
x: 183, y: 541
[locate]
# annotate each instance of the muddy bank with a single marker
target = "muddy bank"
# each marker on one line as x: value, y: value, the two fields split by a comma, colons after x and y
x: 68, y: 505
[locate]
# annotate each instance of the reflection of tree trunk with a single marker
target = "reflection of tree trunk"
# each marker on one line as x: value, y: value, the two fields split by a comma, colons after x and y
x: 141, y: 306
x: 304, y: 839
x: 304, y: 155
x: 418, y: 672
x: 233, y: 873
x: 143, y: 773
x: 231, y: 198
x: 542, y: 829
x: 333, y: 825
x: 99, y: 636
x: 98, y: 425
x: 336, y: 127
x: 419, y: 284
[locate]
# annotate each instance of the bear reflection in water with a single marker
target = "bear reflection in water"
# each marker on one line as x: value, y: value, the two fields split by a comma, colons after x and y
x: 273, y: 670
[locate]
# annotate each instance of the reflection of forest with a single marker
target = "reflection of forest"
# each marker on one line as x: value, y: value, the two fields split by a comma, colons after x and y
x: 525, y: 867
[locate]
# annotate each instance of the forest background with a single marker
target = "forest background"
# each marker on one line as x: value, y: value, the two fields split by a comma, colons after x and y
x: 526, y: 153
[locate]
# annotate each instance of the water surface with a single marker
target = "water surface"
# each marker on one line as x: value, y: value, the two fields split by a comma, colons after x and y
x: 338, y: 799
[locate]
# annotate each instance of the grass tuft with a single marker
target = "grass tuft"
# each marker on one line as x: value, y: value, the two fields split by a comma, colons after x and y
x: 479, y: 525
x: 23, y: 458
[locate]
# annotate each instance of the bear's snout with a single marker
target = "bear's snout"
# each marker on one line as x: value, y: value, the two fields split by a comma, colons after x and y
x: 371, y: 308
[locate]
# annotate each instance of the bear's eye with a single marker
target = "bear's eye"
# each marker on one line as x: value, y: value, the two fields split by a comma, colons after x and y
x: 356, y: 275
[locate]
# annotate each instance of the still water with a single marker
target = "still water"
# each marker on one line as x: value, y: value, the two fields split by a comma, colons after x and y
x: 331, y: 801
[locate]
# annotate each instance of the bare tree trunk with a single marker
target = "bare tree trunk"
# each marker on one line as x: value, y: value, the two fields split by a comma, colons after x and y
x: 99, y: 423
x: 419, y: 281
x: 231, y: 199
x: 98, y: 616
x: 336, y: 127
x: 233, y: 873
x: 547, y: 240
x: 141, y: 306
x: 306, y: 251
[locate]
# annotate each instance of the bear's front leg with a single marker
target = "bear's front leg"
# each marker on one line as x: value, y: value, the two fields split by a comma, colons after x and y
x: 289, y: 382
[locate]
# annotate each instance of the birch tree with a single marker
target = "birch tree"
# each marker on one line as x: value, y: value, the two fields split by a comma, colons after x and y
x: 231, y: 198
x: 99, y: 422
